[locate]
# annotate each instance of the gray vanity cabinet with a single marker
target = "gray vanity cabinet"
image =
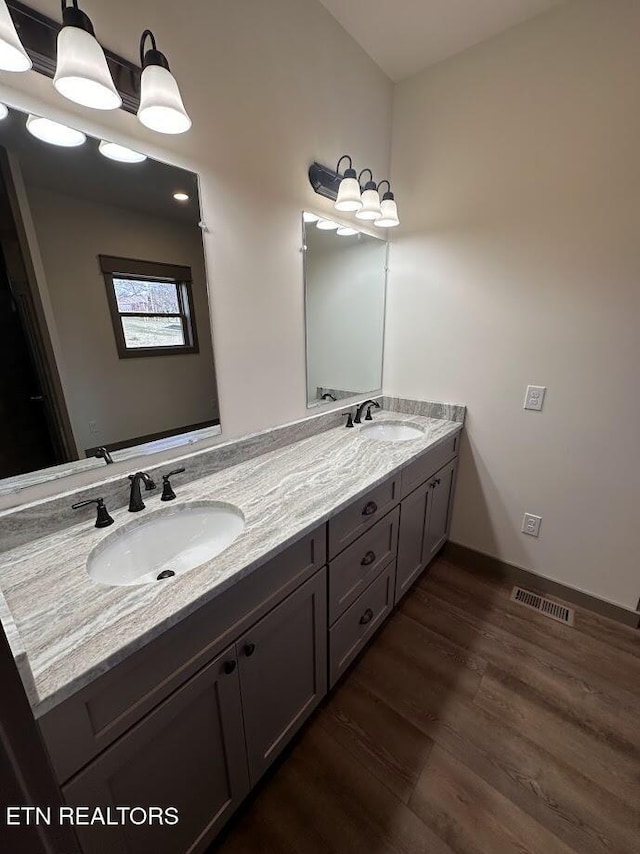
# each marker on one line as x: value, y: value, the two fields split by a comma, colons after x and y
x: 189, y: 753
x: 441, y: 504
x: 283, y: 671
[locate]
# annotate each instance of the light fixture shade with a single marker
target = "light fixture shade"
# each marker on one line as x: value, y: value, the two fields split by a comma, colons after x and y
x: 370, y: 209
x: 4, y: 111
x: 307, y: 216
x: 82, y: 74
x: 13, y: 57
x: 55, y: 133
x: 388, y: 214
x: 349, y: 193
x: 120, y: 152
x: 346, y: 231
x: 161, y: 107
x: 327, y: 225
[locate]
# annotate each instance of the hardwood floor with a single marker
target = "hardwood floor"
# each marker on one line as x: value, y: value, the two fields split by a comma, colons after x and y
x: 470, y: 725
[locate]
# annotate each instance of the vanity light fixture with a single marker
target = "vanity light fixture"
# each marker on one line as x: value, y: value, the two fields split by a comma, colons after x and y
x: 349, y: 190
x: 13, y: 56
x: 4, y: 111
x: 388, y: 209
x: 55, y: 133
x: 345, y: 231
x: 161, y: 107
x: 82, y: 74
x: 370, y: 209
x: 120, y: 152
x: 181, y: 197
x: 327, y: 225
x: 310, y: 217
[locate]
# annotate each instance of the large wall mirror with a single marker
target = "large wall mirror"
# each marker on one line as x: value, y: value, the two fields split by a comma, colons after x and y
x: 345, y: 286
x: 105, y: 330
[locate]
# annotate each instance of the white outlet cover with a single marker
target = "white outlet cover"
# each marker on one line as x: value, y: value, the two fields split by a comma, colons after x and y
x: 534, y: 398
x: 531, y: 524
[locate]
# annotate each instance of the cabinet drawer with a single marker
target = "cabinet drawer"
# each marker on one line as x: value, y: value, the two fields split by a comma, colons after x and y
x: 354, y: 628
x: 355, y: 568
x: 426, y: 465
x: 82, y: 726
x: 361, y: 515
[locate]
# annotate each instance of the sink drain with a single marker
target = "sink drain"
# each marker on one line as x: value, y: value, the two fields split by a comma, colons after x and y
x: 168, y: 573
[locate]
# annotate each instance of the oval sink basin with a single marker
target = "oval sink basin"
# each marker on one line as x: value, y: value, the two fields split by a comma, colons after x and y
x: 166, y: 543
x: 391, y: 431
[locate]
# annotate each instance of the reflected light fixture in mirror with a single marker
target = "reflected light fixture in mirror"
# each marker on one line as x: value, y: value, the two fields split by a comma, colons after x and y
x: 388, y: 209
x: 13, y: 57
x: 181, y: 197
x: 327, y: 225
x: 349, y: 190
x: 307, y: 216
x: 82, y: 74
x: 4, y: 111
x: 120, y: 152
x: 345, y: 231
x: 54, y: 133
x: 370, y: 209
x: 161, y: 108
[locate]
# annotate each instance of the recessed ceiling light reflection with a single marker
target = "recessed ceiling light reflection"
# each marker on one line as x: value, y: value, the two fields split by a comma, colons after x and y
x: 326, y: 225
x: 310, y: 217
x: 54, y: 132
x: 120, y: 152
x: 181, y: 197
x: 345, y: 231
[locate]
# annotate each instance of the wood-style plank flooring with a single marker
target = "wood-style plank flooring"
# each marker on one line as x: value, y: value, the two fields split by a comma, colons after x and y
x: 470, y: 725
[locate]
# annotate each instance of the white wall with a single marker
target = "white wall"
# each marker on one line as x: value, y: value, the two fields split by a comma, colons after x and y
x: 345, y: 312
x: 126, y: 398
x: 517, y: 167
x: 270, y: 88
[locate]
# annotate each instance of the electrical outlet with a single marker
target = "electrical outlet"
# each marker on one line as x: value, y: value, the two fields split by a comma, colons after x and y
x: 93, y: 427
x: 534, y: 397
x: 531, y: 524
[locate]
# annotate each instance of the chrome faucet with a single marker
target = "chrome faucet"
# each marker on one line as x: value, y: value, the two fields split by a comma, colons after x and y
x: 361, y: 409
x: 135, y: 498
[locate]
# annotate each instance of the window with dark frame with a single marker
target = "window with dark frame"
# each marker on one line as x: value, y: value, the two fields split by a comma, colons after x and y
x: 151, y: 307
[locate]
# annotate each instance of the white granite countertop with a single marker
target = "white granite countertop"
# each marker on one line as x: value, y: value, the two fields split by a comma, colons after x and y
x: 70, y: 629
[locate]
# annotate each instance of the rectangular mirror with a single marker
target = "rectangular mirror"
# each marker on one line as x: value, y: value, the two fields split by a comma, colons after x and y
x: 106, y: 334
x: 345, y: 288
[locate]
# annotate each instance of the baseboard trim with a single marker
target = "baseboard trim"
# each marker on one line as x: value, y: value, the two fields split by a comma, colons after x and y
x: 479, y: 562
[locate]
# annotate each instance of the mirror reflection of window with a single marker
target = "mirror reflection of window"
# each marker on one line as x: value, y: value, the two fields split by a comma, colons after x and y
x: 345, y: 284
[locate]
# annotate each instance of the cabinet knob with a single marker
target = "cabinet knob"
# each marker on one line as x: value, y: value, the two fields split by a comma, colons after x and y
x: 368, y: 558
x: 229, y: 667
x: 369, y: 508
x: 249, y: 649
x: 366, y: 617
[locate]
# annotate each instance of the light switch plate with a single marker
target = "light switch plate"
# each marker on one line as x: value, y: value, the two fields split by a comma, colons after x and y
x: 531, y: 524
x: 534, y: 397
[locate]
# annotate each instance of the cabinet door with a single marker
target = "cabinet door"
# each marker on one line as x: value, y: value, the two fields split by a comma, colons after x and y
x: 283, y: 671
x: 412, y: 543
x: 188, y: 753
x: 443, y: 484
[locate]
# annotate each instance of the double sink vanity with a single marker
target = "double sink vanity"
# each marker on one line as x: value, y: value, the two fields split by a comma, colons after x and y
x: 275, y: 573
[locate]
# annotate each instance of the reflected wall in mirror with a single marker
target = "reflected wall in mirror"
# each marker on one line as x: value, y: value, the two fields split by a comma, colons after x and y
x: 345, y: 286
x: 105, y: 333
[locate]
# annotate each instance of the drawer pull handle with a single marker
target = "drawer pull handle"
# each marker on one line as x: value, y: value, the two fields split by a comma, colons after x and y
x: 369, y: 508
x: 368, y: 558
x: 249, y: 649
x: 229, y: 667
x: 366, y: 617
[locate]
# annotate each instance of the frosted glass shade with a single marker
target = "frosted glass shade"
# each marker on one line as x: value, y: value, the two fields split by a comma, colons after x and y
x: 327, y: 225
x: 307, y: 216
x: 120, y: 152
x: 161, y: 107
x: 4, y: 111
x: 13, y: 57
x: 54, y: 132
x: 348, y: 195
x: 388, y: 214
x: 345, y: 231
x: 370, y: 209
x: 82, y: 74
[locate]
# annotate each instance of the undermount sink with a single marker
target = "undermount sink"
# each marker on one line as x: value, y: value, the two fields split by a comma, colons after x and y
x: 167, y: 542
x: 391, y: 431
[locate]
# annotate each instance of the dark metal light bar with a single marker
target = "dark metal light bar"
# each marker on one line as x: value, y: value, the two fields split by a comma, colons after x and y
x: 324, y: 181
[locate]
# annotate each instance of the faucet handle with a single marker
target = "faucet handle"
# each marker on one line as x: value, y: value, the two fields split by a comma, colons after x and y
x: 103, y: 519
x: 167, y: 490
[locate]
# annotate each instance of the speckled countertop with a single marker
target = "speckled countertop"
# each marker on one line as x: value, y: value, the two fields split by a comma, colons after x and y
x: 71, y: 629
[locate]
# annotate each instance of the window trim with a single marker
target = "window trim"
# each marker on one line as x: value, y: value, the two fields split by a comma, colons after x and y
x: 151, y: 271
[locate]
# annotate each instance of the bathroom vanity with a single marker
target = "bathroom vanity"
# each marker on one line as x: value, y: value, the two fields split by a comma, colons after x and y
x: 183, y: 692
